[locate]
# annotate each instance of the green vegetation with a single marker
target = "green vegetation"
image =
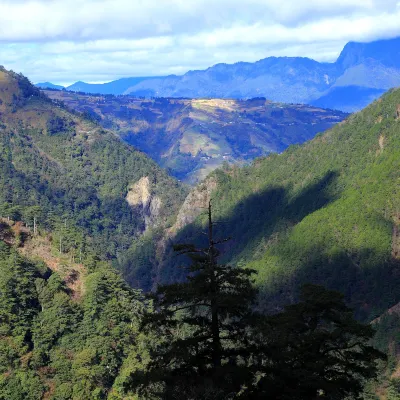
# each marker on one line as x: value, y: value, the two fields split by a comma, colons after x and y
x: 203, y: 338
x: 74, y: 200
x: 55, y: 347
x: 202, y: 322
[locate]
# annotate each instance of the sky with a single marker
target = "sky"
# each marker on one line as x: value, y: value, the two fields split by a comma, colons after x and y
x: 63, y: 41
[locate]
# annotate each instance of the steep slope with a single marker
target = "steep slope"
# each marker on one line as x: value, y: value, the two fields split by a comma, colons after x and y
x: 326, y: 212
x: 75, y: 172
x: 192, y: 137
x: 69, y: 330
x: 386, y: 51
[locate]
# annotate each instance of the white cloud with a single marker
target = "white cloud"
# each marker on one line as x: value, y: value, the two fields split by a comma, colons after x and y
x: 97, y: 40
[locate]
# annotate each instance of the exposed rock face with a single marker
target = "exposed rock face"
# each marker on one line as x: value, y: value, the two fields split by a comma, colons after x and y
x: 195, y: 203
x: 140, y: 196
x: 396, y: 237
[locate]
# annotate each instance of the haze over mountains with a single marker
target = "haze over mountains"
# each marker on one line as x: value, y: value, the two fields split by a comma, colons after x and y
x: 192, y: 137
x: 362, y: 72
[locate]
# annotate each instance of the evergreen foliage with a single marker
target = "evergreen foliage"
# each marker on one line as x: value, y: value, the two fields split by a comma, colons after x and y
x: 203, y: 323
x: 314, y: 347
x: 52, y: 346
x: 68, y: 179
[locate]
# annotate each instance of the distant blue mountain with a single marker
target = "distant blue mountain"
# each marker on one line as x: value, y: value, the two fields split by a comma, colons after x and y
x: 48, y: 85
x: 348, y: 98
x: 115, y: 87
x: 361, y: 73
x: 387, y: 52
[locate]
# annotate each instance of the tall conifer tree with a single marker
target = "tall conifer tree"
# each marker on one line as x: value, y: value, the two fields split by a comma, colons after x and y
x: 202, y: 324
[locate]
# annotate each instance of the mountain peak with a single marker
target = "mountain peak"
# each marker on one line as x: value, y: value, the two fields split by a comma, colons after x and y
x: 48, y: 85
x: 15, y: 89
x: 385, y: 51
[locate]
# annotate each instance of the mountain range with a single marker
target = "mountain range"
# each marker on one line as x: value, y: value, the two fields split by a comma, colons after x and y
x: 115, y: 87
x: 190, y: 138
x: 362, y: 72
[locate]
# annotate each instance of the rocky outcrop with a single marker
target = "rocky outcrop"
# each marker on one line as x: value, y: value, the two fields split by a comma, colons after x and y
x: 140, y: 196
x: 396, y: 237
x: 195, y: 203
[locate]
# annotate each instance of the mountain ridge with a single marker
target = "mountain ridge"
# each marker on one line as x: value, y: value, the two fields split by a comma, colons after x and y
x: 375, y: 65
x: 74, y: 170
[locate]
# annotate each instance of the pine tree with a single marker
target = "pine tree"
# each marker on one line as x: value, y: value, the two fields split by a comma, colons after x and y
x: 313, y: 349
x: 203, y: 325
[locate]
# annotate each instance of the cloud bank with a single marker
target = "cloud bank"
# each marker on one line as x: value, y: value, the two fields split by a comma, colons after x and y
x: 101, y: 40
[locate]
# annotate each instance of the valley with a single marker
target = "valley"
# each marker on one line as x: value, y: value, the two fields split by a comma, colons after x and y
x: 191, y: 138
x: 326, y: 212
x: 199, y: 200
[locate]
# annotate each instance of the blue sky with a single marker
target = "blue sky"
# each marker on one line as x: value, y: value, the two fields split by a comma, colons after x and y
x: 101, y: 40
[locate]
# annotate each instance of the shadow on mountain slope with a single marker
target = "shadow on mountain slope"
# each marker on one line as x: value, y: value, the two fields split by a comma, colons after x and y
x: 264, y: 231
x: 369, y: 290
x: 255, y: 219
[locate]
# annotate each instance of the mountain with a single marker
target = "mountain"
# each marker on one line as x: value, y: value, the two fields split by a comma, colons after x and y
x: 74, y: 199
x: 326, y: 212
x: 115, y: 87
x: 348, y: 98
x: 190, y: 138
x: 48, y: 85
x: 360, y: 67
x: 77, y: 173
x: 362, y: 72
x: 386, y: 51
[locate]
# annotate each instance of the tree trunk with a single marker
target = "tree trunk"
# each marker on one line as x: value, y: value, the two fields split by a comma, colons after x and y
x: 216, y: 340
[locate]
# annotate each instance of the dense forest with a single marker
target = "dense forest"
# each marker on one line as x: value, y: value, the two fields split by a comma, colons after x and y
x: 201, y: 339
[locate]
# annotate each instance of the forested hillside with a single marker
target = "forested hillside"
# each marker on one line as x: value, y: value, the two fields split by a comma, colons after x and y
x: 73, y: 198
x: 62, y: 169
x: 327, y: 212
x: 68, y: 330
